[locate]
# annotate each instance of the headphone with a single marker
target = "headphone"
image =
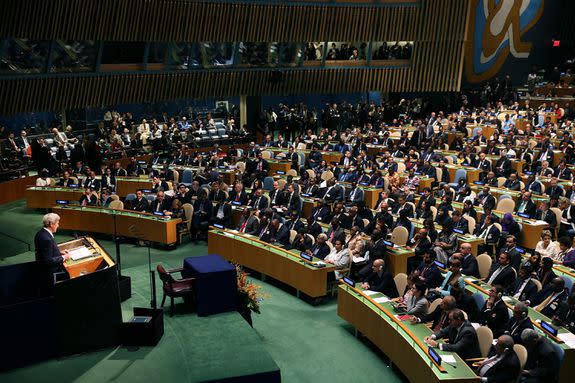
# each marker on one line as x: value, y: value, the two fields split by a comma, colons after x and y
x: 380, y: 267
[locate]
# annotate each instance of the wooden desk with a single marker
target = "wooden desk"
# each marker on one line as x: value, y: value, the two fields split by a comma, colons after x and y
x: 45, y: 197
x: 130, y: 185
x: 282, y: 166
x: 101, y: 220
x: 396, y: 339
x: 278, y: 263
x: 530, y: 229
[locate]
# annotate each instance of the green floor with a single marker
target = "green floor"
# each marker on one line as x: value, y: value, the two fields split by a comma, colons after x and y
x: 309, y: 344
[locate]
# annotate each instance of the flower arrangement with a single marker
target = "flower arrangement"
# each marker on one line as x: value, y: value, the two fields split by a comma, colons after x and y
x: 249, y: 295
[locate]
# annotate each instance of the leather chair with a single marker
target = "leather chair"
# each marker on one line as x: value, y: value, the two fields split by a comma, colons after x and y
x: 174, y: 288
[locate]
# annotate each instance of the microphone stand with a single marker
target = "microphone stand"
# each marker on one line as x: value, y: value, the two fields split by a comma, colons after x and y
x: 136, y: 233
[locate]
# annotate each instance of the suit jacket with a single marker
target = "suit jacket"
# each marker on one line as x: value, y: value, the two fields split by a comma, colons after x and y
x: 321, y: 214
x: 166, y: 204
x: 242, y: 197
x: 542, y: 362
x: 259, y: 203
x: 320, y: 251
x: 277, y: 193
x: 354, y: 195
x: 92, y: 183
x: 515, y: 327
x: 281, y: 235
x: 566, y: 315
x: 383, y: 283
x: 512, y: 184
x: 377, y: 250
x: 505, y: 278
x: 430, y: 275
x: 554, y: 191
x: 495, y: 318
x: 463, y: 341
x: 469, y: 266
x: 141, y: 205
x: 333, y: 194
x: 553, y: 306
x: 487, y: 202
x: 48, y: 255
x: 226, y: 220
x: 503, y: 167
x: 534, y: 187
x: 529, y: 208
x: 92, y: 200
x: 437, y: 317
x: 251, y: 225
x: 338, y: 233
x: 505, y: 370
x: 112, y: 180
x: 528, y: 293
x: 492, y: 236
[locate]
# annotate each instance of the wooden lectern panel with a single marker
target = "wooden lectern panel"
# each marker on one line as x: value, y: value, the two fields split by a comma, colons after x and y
x: 98, y: 259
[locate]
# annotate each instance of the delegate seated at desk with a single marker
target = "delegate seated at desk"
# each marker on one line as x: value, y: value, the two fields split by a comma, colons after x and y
x: 380, y: 280
x: 48, y: 255
x: 461, y: 334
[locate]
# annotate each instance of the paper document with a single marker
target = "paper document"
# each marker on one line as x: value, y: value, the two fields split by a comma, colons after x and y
x: 568, y: 338
x: 370, y: 292
x: 358, y: 259
x: 229, y: 234
x: 381, y: 300
x: 475, y: 325
x: 79, y: 253
x: 448, y: 358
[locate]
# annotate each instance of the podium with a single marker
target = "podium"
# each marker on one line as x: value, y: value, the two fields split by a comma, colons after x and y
x: 79, y: 314
x: 88, y: 304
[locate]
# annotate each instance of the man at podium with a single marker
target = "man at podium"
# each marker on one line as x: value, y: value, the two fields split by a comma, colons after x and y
x: 48, y: 256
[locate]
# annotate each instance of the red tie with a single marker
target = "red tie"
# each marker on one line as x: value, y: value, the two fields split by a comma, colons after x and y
x: 243, y: 229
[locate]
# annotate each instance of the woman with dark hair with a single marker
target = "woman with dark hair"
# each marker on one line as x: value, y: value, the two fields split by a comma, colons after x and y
x: 423, y: 211
x: 509, y: 226
x: 443, y: 211
x: 429, y: 224
x: 446, y: 243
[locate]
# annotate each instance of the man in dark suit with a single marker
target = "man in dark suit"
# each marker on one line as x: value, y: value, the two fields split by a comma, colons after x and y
x: 321, y: 212
x: 501, y: 272
x: 542, y: 363
x: 565, y: 316
x: 549, y: 298
x: 140, y: 203
x: 439, y: 317
x: 320, y: 249
x: 502, y: 365
x: 335, y: 231
x: 374, y: 249
x: 526, y: 205
x: 295, y: 223
x: 354, y: 194
x: 92, y: 182
x: 88, y: 198
x: 461, y: 334
x: 469, y: 264
x: 465, y: 302
x: 503, y: 166
x: 518, y: 322
x: 511, y: 249
x: 428, y: 271
x: 523, y: 289
x: 380, y: 280
x: 238, y: 195
x: 333, y: 192
x: 544, y: 213
x: 162, y: 203
x: 48, y: 257
x: 485, y: 199
x: 494, y: 313
x: 258, y: 201
x: 276, y: 195
x: 459, y: 222
x: 248, y: 222
x: 159, y: 184
x: 280, y: 233
x: 554, y: 191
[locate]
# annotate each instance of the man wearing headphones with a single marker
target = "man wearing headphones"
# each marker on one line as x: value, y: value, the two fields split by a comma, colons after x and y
x: 503, y: 365
x: 494, y: 313
x: 380, y: 280
x: 518, y: 322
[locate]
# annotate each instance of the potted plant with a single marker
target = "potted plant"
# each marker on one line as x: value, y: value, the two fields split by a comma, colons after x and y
x: 248, y: 295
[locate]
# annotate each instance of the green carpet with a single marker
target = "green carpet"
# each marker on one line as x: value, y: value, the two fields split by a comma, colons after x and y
x: 309, y: 344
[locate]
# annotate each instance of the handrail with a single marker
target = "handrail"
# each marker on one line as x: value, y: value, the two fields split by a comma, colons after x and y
x: 266, y: 244
x: 17, y: 239
x: 400, y: 324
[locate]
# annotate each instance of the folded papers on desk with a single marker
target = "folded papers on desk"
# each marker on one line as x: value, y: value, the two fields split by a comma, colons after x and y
x: 79, y: 253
